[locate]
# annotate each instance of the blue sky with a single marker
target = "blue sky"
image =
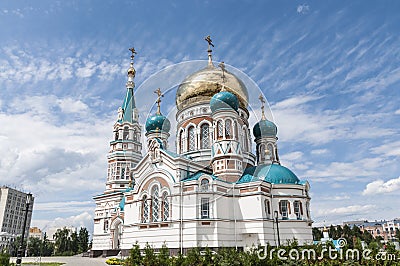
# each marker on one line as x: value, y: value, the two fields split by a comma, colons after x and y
x: 329, y: 69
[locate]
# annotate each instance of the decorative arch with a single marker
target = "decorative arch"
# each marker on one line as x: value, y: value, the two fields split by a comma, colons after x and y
x: 116, y: 232
x: 181, y: 141
x: 219, y: 130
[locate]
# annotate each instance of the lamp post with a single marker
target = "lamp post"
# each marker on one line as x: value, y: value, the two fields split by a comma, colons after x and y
x: 21, y: 249
x: 277, y: 227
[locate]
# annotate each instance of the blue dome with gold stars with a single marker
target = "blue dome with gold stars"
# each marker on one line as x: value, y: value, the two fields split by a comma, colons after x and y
x: 157, y: 123
x: 265, y: 128
x: 224, y: 100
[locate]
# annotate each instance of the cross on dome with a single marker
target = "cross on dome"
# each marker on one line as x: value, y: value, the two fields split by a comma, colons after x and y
x: 159, y: 94
x: 262, y: 100
x: 209, y: 41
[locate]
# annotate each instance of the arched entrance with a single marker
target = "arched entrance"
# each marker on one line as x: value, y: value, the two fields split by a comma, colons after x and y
x: 116, y: 233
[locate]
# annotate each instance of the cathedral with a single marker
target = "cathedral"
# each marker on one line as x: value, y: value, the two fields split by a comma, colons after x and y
x: 212, y: 189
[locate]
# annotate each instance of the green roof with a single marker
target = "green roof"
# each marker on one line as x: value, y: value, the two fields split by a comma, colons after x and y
x: 128, y: 106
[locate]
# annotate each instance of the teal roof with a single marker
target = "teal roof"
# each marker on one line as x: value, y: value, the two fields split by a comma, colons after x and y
x: 197, y: 175
x: 224, y: 100
x: 273, y: 173
x: 128, y: 106
x: 265, y: 128
x: 157, y: 122
x: 122, y: 204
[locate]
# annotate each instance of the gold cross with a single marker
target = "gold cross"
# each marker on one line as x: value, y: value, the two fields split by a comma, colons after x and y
x: 133, y: 51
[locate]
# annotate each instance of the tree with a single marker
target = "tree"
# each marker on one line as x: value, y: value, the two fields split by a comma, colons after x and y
x: 83, y: 240
x: 74, y: 243
x: 62, y: 242
x: 135, y: 258
x: 149, y: 258
x: 163, y: 256
x: 34, y: 247
x: 317, y: 234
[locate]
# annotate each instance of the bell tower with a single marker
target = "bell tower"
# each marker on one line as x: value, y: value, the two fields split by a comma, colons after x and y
x: 126, y: 147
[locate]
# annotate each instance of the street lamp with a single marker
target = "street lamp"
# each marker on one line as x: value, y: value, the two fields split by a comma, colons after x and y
x: 277, y: 227
x: 21, y: 249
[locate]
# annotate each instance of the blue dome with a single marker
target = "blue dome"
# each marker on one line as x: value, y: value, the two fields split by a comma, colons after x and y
x: 157, y: 123
x: 265, y: 128
x: 224, y: 100
x: 273, y: 173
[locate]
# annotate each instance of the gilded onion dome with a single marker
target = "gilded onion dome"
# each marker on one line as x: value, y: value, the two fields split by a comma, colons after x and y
x: 203, y: 84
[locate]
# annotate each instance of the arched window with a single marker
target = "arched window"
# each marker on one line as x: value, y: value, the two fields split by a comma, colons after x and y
x: 267, y: 208
x: 270, y: 152
x: 126, y: 133
x: 116, y: 135
x: 192, y: 139
x: 155, y: 204
x: 204, y: 184
x: 220, y: 130
x: 165, y: 206
x: 145, y: 209
x: 205, y: 136
x: 261, y: 152
x: 228, y: 129
x: 181, y: 142
x: 297, y: 209
x: 245, y: 140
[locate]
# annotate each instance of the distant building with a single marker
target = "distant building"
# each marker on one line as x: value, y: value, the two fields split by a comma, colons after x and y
x: 383, y: 228
x: 36, y: 232
x: 12, y: 213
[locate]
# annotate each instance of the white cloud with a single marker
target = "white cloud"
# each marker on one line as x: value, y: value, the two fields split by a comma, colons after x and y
x: 303, y: 9
x: 319, y: 151
x: 87, y: 70
x: 352, y: 209
x: 84, y: 219
x: 388, y: 149
x: 69, y: 105
x: 381, y: 187
x: 397, y: 112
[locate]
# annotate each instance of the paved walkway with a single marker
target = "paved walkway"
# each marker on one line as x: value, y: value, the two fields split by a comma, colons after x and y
x: 69, y: 261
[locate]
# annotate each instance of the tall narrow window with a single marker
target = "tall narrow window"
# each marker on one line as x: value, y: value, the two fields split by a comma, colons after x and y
x: 165, y: 206
x: 192, y: 139
x: 205, y: 184
x: 308, y: 209
x: 205, y: 208
x: 283, y: 209
x: 205, y: 136
x: 181, y: 139
x: 126, y: 133
x: 155, y: 204
x: 245, y: 140
x: 220, y: 130
x: 270, y: 149
x: 145, y: 209
x: 296, y: 207
x: 267, y: 208
x: 261, y: 152
x: 235, y: 129
x: 228, y: 129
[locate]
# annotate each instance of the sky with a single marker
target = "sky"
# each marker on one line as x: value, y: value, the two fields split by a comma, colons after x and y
x: 329, y: 69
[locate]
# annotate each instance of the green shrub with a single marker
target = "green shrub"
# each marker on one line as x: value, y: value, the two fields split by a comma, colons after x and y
x: 4, y: 259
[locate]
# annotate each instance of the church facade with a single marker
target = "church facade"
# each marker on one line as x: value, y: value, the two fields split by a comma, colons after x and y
x: 211, y: 189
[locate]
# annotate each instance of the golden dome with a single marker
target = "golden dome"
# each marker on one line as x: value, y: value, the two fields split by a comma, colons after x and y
x: 203, y: 84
